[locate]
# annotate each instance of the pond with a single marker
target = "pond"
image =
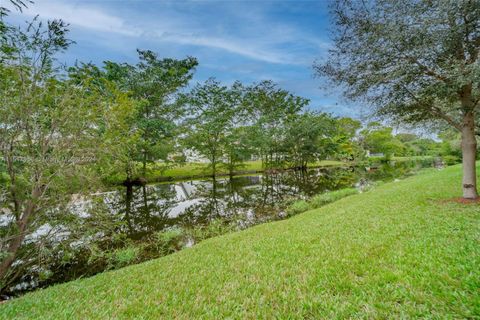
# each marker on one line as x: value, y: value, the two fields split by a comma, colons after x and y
x: 247, y: 200
x: 141, y: 212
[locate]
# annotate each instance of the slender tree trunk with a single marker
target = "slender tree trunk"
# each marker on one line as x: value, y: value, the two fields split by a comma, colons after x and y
x: 469, y: 151
x: 214, y: 166
x: 144, y: 163
x: 16, y: 243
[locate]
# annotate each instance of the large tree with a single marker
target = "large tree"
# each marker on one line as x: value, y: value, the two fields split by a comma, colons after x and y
x: 154, y: 82
x: 413, y: 61
x: 213, y: 109
x: 51, y: 136
x: 270, y: 109
x: 309, y: 137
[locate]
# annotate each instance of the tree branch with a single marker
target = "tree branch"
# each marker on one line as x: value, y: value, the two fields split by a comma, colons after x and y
x: 435, y: 110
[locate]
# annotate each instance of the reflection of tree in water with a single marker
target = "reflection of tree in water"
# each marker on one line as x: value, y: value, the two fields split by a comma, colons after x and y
x: 392, y: 170
x: 144, y: 209
x: 315, y: 181
x: 210, y: 204
x: 139, y: 211
x: 147, y: 209
x: 259, y: 198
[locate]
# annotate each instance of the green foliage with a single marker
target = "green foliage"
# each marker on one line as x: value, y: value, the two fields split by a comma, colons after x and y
x: 319, y: 200
x: 451, y: 160
x: 309, y: 137
x: 383, y: 52
x: 414, y: 62
x: 49, y: 131
x: 214, y: 109
x: 214, y: 228
x: 298, y: 207
x: 123, y: 256
x: 272, y: 108
x: 379, y: 139
x: 345, y: 139
x: 325, y: 198
x: 153, y: 83
x: 169, y: 240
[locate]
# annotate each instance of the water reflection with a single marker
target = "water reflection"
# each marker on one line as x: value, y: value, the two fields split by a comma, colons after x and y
x: 245, y: 199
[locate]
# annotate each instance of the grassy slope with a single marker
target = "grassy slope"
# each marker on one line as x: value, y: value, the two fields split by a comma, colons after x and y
x: 393, y: 252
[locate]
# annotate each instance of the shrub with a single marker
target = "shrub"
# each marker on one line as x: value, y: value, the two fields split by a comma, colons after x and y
x: 325, y: 198
x: 169, y: 240
x: 319, y: 200
x: 123, y: 256
x: 298, y: 207
x: 451, y: 160
x: 214, y: 228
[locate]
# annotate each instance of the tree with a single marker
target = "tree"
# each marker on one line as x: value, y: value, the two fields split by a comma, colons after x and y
x: 379, y: 139
x: 45, y: 134
x: 346, y: 139
x: 213, y: 108
x: 271, y: 108
x: 309, y: 138
x: 17, y: 4
x: 118, y: 133
x: 154, y: 83
x: 237, y: 148
x: 413, y: 61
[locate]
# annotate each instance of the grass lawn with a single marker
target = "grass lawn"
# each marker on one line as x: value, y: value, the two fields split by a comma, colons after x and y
x: 202, y: 169
x: 394, y: 252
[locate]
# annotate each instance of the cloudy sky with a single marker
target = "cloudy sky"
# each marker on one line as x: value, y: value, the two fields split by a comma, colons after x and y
x: 248, y: 41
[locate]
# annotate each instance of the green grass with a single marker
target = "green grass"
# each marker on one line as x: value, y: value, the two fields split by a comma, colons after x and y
x: 395, y: 252
x: 192, y: 170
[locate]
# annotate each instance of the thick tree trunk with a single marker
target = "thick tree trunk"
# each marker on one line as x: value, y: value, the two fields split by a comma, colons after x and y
x: 469, y: 151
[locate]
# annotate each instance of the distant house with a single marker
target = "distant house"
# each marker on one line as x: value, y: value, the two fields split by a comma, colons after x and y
x: 375, y: 155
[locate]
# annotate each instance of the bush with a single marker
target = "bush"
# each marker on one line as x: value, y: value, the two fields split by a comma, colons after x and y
x: 298, y: 207
x: 169, y: 240
x: 450, y: 160
x: 123, y: 256
x: 214, y: 228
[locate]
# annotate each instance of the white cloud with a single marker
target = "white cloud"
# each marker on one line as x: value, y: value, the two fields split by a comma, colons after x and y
x: 249, y: 50
x: 89, y: 18
x: 261, y: 46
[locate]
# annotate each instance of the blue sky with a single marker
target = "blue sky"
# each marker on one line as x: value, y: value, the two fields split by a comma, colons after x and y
x: 248, y: 41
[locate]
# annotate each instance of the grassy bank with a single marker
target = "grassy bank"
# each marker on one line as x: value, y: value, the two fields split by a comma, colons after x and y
x: 202, y: 170
x: 398, y: 251
x: 188, y: 171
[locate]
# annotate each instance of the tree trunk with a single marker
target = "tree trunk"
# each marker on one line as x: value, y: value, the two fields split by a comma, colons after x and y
x: 214, y: 166
x: 144, y: 163
x: 16, y: 243
x: 469, y: 151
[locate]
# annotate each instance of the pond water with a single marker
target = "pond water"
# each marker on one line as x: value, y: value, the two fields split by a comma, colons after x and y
x: 247, y: 200
x: 140, y: 212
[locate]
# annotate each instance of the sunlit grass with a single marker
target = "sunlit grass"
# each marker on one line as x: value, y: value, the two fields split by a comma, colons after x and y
x: 394, y: 252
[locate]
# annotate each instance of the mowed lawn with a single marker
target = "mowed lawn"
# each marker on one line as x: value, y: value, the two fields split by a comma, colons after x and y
x: 397, y: 251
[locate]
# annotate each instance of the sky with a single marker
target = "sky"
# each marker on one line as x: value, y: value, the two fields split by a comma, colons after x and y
x: 249, y: 41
